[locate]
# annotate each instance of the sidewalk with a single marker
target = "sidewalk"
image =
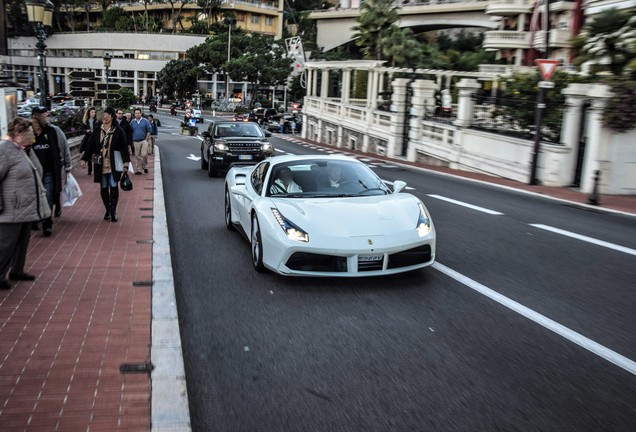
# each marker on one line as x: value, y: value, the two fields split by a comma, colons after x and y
x: 64, y: 337
x: 75, y: 343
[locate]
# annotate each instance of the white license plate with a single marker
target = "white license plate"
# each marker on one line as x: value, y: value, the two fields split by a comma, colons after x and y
x: 245, y: 157
x: 370, y: 257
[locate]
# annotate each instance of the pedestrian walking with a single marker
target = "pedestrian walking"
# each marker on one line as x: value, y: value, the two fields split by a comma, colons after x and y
x: 51, y: 148
x: 22, y: 200
x: 141, y: 130
x: 110, y: 158
x: 90, y: 123
x: 125, y: 125
x: 153, y: 134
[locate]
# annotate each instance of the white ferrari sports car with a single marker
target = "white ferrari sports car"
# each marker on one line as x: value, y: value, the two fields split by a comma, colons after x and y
x: 327, y: 216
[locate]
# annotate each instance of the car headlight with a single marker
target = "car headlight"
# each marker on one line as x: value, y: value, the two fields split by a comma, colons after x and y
x: 423, y: 223
x: 266, y: 146
x: 292, y: 231
x: 221, y: 145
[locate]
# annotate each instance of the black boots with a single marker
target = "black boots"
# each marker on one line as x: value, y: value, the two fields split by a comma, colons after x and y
x: 114, y: 197
x: 106, y: 201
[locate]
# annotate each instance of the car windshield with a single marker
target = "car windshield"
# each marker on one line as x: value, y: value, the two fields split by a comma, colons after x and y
x: 321, y: 178
x: 237, y: 130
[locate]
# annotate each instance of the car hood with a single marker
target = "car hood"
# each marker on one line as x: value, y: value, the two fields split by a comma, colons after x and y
x: 357, y: 216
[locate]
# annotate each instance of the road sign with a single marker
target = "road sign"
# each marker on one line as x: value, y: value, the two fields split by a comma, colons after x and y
x: 111, y: 96
x: 82, y: 84
x: 111, y: 87
x: 546, y: 84
x: 546, y: 67
x: 83, y: 93
x: 82, y: 74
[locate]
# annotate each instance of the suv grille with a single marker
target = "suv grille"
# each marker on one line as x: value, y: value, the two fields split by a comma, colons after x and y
x: 244, y: 147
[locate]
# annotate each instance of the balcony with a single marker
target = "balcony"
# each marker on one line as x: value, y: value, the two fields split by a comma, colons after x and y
x: 558, y: 39
x: 509, y: 7
x: 506, y: 39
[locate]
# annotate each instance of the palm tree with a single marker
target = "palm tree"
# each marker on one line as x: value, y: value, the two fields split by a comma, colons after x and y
x: 374, y: 23
x: 611, y: 35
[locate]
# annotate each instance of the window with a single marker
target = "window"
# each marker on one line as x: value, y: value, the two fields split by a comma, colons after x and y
x: 269, y: 21
x: 256, y: 19
x: 258, y: 176
x: 143, y: 56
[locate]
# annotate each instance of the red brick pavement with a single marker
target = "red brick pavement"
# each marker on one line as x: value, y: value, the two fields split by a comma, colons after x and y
x: 64, y: 336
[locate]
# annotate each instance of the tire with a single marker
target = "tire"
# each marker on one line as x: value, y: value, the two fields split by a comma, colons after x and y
x: 211, y: 170
x: 256, y: 246
x: 201, y: 120
x: 228, y: 211
x: 204, y: 163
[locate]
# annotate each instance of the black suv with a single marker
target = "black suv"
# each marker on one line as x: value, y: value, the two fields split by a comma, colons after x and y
x: 228, y: 143
x: 262, y: 115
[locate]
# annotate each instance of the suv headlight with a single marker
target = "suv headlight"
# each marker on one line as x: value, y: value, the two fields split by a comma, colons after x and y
x: 424, y: 222
x: 221, y: 145
x: 266, y: 146
x: 292, y: 231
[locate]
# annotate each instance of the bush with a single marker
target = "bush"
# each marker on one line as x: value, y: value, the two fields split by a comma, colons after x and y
x: 620, y: 112
x: 70, y: 121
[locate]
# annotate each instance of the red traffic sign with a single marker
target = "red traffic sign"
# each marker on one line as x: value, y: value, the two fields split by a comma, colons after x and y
x: 82, y: 74
x: 546, y: 67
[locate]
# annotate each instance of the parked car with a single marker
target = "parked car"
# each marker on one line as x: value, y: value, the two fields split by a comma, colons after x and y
x: 274, y: 123
x: 25, y: 111
x: 286, y: 206
x: 262, y: 115
x: 227, y: 143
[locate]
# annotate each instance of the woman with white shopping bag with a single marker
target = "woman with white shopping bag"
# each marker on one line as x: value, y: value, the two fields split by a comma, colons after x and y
x: 109, y: 153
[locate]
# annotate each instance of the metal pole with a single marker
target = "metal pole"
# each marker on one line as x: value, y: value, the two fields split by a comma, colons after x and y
x: 227, y: 75
x: 540, y: 101
x: 41, y: 46
x: 107, y: 85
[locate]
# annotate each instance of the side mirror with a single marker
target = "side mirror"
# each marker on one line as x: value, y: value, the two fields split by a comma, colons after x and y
x: 398, y: 186
x: 268, y: 134
x: 205, y: 134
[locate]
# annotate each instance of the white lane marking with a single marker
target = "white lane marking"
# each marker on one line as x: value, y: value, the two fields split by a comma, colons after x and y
x: 577, y: 338
x: 463, y: 204
x: 193, y: 157
x: 586, y: 239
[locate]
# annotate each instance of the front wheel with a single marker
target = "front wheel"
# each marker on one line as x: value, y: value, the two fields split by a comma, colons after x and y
x: 211, y: 170
x: 257, y: 246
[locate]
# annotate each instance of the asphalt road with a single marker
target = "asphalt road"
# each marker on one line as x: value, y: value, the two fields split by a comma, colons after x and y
x: 518, y: 326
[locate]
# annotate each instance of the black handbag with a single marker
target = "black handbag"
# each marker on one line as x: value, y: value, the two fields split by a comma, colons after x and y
x: 125, y: 182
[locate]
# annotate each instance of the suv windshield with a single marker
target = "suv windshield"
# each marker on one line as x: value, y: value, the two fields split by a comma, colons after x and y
x: 237, y: 130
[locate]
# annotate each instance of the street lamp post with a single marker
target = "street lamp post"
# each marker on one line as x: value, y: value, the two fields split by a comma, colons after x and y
x: 40, y: 14
x: 229, y: 22
x: 107, y: 58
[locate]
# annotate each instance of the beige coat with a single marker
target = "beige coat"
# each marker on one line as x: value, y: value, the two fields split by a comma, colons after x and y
x: 22, y: 195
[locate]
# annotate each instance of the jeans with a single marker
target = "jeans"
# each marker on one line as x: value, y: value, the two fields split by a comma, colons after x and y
x: 108, y: 180
x: 48, y: 180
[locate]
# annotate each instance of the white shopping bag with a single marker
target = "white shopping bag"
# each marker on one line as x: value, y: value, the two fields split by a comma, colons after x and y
x: 71, y: 191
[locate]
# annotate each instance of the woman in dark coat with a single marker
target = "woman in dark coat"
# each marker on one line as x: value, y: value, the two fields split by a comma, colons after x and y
x: 90, y: 123
x: 109, y: 151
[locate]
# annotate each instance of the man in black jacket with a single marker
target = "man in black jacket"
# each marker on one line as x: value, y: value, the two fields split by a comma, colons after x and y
x: 51, y: 149
x: 125, y: 125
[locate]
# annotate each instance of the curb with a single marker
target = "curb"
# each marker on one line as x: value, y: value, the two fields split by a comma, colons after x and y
x: 169, y: 409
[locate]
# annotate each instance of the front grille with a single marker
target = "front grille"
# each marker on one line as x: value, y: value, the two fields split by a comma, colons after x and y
x: 370, y: 265
x: 418, y: 255
x: 244, y: 147
x: 303, y: 261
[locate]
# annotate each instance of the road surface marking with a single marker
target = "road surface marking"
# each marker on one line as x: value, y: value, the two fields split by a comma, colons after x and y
x: 586, y: 239
x: 463, y: 204
x: 193, y: 157
x: 588, y: 344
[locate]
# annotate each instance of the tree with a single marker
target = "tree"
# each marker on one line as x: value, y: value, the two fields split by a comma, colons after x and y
x: 178, y: 78
x: 374, y: 23
x: 127, y: 99
x: 176, y: 17
x: 400, y: 48
x: 117, y: 19
x: 212, y: 9
x: 611, y: 35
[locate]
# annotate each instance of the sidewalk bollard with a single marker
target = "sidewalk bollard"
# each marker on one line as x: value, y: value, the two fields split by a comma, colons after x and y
x: 593, y: 199
x: 213, y: 113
